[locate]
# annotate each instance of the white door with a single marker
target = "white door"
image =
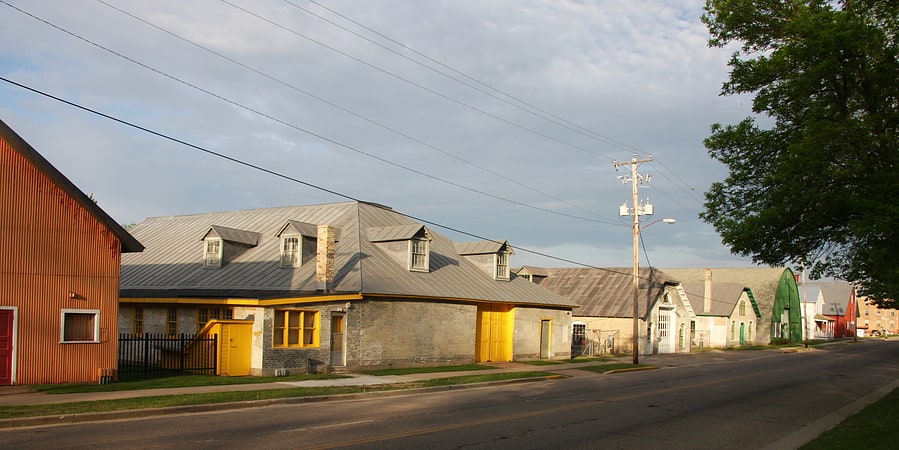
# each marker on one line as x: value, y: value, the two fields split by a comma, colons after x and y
x: 665, y: 331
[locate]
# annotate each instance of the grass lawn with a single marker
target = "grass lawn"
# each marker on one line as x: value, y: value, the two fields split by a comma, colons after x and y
x: 408, y: 370
x: 872, y: 428
x: 552, y: 362
x: 162, y: 401
x: 172, y: 382
x: 610, y: 367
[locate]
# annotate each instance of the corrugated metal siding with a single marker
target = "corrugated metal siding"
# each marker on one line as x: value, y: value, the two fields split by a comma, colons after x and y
x: 50, y: 245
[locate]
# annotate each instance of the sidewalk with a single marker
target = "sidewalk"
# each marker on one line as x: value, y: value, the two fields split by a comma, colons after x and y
x: 21, y: 395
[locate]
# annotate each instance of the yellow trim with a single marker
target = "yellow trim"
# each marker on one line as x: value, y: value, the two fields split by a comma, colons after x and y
x: 470, y: 300
x: 243, y: 301
x: 325, y: 298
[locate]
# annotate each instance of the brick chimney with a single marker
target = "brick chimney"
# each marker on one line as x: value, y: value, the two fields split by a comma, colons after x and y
x: 707, y: 292
x: 324, y: 258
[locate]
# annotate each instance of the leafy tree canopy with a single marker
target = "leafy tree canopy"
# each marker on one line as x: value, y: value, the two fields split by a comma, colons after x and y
x: 818, y: 183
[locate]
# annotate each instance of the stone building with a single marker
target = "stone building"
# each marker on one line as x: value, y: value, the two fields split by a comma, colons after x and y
x: 354, y: 284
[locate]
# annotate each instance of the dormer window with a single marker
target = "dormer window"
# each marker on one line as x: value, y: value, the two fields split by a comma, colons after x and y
x: 533, y: 274
x: 212, y: 254
x: 492, y: 257
x: 223, y: 244
x: 407, y: 244
x: 298, y: 243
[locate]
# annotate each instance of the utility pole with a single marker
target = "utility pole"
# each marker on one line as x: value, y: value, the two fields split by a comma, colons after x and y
x: 635, y: 179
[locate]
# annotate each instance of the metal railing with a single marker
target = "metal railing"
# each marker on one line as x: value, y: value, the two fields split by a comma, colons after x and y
x: 161, y: 355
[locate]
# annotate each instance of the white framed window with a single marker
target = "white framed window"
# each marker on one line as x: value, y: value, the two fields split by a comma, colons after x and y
x: 79, y: 326
x: 290, y: 251
x: 502, y: 266
x: 212, y: 253
x: 418, y: 255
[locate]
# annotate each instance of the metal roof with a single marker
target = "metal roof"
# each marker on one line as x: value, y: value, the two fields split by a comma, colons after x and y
x: 837, y: 295
x: 171, y: 266
x: 725, y: 297
x: 480, y: 247
x: 129, y: 243
x: 532, y: 270
x: 762, y: 281
x: 302, y: 228
x: 605, y: 292
x: 234, y: 235
x: 394, y: 233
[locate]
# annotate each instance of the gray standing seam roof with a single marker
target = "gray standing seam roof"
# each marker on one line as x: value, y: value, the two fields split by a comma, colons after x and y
x: 394, y: 233
x: 480, y: 247
x: 763, y: 282
x: 234, y: 235
x: 605, y: 292
x: 172, y: 264
x: 304, y: 229
x: 725, y: 297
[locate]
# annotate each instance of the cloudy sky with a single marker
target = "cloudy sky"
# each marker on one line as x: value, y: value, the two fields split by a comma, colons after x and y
x: 501, y: 119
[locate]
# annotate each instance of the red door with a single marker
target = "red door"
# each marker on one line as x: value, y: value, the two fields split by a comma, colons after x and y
x: 6, y: 339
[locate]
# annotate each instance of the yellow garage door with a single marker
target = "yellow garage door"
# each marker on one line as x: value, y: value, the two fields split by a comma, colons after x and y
x: 494, y: 333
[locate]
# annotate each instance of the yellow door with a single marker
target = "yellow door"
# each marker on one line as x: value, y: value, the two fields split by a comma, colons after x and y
x: 236, y: 346
x: 493, y: 335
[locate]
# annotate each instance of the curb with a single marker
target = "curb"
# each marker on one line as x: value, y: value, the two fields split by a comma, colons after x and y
x: 69, y: 419
x: 633, y: 369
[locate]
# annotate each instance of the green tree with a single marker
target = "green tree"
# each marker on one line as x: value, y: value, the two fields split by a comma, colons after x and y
x: 814, y: 175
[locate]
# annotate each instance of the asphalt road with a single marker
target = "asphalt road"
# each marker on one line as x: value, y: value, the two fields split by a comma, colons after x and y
x: 749, y: 399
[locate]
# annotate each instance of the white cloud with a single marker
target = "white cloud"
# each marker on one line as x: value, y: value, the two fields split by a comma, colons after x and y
x: 638, y: 74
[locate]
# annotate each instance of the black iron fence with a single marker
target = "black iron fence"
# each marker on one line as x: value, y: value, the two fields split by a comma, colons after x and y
x: 161, y: 355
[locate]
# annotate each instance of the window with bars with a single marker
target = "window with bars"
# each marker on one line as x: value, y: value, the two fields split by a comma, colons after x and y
x: 579, y: 333
x: 742, y: 307
x: 295, y: 328
x: 80, y: 326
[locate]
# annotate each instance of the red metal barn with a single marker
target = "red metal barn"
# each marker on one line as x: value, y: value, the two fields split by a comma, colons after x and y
x: 60, y: 259
x: 841, y: 305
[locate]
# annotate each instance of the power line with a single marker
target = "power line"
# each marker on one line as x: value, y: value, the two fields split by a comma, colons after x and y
x: 269, y: 171
x: 417, y: 85
x: 294, y: 179
x: 546, y: 115
x: 520, y: 105
x: 343, y: 109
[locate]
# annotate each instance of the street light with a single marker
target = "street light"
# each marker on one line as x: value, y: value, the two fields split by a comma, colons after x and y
x: 637, y: 230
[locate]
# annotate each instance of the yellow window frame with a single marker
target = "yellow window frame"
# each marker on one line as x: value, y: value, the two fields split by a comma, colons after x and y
x: 296, y: 328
